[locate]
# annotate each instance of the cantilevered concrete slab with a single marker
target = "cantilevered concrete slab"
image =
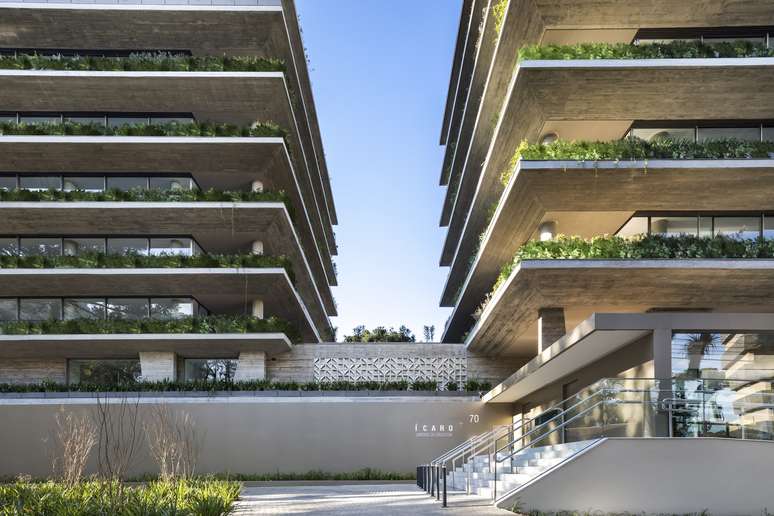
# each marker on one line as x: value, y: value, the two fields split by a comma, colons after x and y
x: 187, y: 345
x: 226, y: 163
x: 240, y: 98
x: 217, y: 227
x: 539, y: 187
x: 222, y: 291
x: 264, y: 28
x: 595, y: 90
x: 602, y: 334
x: 618, y: 285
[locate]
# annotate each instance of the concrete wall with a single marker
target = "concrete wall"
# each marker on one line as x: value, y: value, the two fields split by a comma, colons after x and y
x: 659, y: 476
x: 286, y: 434
x: 31, y: 370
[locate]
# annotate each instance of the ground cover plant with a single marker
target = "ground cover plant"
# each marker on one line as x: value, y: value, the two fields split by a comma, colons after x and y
x: 670, y: 50
x: 196, y: 128
x: 142, y: 62
x: 199, y: 325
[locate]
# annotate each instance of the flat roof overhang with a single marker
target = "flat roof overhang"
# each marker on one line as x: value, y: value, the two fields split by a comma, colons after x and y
x: 239, y: 98
x: 225, y: 163
x: 221, y: 290
x: 627, y: 285
x: 218, y: 227
x: 187, y: 345
x: 604, y: 333
x: 539, y: 187
x: 267, y: 28
x: 608, y: 90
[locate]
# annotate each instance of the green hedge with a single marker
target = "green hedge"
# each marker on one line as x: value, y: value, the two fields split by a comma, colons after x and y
x: 198, y: 497
x: 132, y: 261
x: 671, y: 50
x: 203, y: 324
x: 143, y: 62
x: 250, y: 385
x: 638, y: 149
x: 204, y: 129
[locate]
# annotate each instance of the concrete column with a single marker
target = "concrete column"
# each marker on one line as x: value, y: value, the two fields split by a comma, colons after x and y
x: 157, y: 366
x: 551, y: 326
x: 258, y: 308
x: 251, y: 366
x: 258, y: 247
x: 547, y: 230
x: 257, y: 186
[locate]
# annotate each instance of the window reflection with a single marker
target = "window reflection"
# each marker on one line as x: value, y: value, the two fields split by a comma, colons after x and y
x: 9, y: 247
x: 98, y: 308
x: 209, y: 369
x: 7, y: 182
x: 8, y: 310
x: 103, y: 372
x: 171, y: 183
x: 38, y: 183
x: 40, y: 309
x: 79, y: 246
x: 84, y: 309
x: 127, y: 183
x: 743, y: 228
x: 674, y: 226
x: 171, y: 308
x: 83, y: 183
x: 127, y: 308
x: 40, y: 247
x: 752, y: 134
x: 127, y: 246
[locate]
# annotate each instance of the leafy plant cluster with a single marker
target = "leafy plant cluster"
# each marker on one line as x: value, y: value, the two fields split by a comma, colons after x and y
x: 132, y: 261
x: 670, y: 50
x: 498, y: 11
x: 312, y: 475
x: 143, y: 62
x: 212, y: 386
x: 638, y: 149
x: 194, y: 497
x: 203, y: 324
x: 204, y: 129
x: 143, y: 195
x: 380, y: 334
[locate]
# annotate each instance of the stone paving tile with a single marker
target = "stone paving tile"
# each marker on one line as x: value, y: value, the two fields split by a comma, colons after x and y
x: 378, y: 499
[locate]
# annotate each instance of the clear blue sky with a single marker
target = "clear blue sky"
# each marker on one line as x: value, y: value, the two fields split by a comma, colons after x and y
x: 380, y: 73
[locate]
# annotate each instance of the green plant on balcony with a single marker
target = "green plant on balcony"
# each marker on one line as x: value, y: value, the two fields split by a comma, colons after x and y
x: 643, y: 247
x: 198, y: 325
x: 636, y: 149
x: 380, y: 334
x: 132, y: 261
x: 671, y: 50
x: 205, y: 129
x: 142, y: 62
x: 498, y: 11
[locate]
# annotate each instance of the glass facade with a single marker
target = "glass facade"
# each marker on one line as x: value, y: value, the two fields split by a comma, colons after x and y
x: 75, y: 246
x: 208, y: 369
x: 68, y: 308
x: 699, y: 132
x: 103, y: 372
x: 743, y: 227
x: 101, y: 119
x: 96, y: 183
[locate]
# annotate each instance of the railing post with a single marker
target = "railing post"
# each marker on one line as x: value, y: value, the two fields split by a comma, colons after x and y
x: 443, y: 470
x: 438, y: 483
x: 427, y: 478
x: 432, y: 480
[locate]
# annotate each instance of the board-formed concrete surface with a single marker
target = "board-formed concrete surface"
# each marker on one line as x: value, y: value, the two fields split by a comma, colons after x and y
x: 362, y: 500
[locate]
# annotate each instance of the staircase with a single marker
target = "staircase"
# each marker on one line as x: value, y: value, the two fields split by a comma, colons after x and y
x: 477, y: 475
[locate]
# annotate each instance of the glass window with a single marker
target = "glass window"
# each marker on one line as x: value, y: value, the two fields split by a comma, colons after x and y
x: 176, y: 246
x: 7, y: 182
x: 78, y: 246
x: 674, y: 133
x: 673, y: 226
x: 7, y: 118
x: 171, y: 308
x: 752, y: 134
x: 40, y: 182
x: 40, y: 246
x: 85, y: 183
x: 768, y: 226
x: 8, y: 309
x: 119, y: 121
x: 86, y: 120
x: 209, y: 370
x: 124, y: 246
x: 127, y: 308
x: 40, y: 119
x: 84, y: 308
x: 635, y: 226
x: 103, y: 372
x: 768, y: 134
x: 171, y: 183
x: 40, y: 309
x: 705, y: 227
x: 127, y: 183
x: 172, y: 120
x: 745, y: 228
x: 9, y: 246
x: 723, y: 356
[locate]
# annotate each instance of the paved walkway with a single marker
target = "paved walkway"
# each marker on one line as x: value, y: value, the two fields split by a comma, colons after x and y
x: 381, y: 499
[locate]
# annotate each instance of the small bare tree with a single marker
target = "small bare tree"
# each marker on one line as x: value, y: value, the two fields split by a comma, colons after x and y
x: 117, y: 424
x: 74, y: 438
x: 173, y: 441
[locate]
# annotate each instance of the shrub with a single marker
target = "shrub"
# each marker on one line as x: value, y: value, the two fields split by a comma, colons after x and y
x: 380, y: 334
x: 199, y: 325
x: 143, y: 62
x: 671, y: 50
x: 203, y: 129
